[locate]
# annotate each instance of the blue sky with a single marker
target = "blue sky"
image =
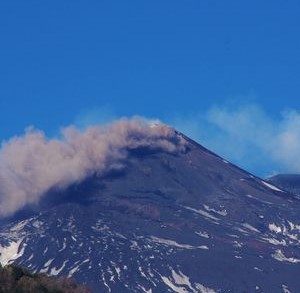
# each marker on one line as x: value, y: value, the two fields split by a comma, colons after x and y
x: 188, y: 63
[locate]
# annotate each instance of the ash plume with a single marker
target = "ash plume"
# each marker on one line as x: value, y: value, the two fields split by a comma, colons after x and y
x: 31, y: 164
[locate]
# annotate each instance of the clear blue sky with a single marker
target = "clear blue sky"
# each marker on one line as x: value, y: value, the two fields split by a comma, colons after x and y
x: 167, y: 59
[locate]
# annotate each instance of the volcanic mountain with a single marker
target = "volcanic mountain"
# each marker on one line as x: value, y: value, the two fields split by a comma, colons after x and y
x: 288, y: 182
x: 184, y: 221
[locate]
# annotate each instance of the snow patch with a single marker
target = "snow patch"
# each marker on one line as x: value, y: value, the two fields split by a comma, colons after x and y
x: 279, y: 255
x: 274, y: 228
x: 180, y: 283
x: 144, y: 289
x: 203, y: 234
x: 291, y: 232
x: 219, y: 212
x: 46, y: 266
x: 249, y: 227
x: 72, y: 271
x: 294, y: 226
x: 55, y: 271
x: 173, y: 243
x: 271, y: 186
x: 11, y: 252
x: 19, y: 226
x: 259, y: 199
x: 203, y: 289
x: 64, y: 245
x: 175, y: 288
x: 285, y: 289
x: 275, y: 241
x: 203, y: 213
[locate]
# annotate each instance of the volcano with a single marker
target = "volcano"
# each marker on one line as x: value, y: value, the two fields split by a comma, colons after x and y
x: 165, y: 222
x: 288, y: 182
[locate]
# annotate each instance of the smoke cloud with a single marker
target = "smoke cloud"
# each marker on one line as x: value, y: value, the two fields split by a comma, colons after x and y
x: 32, y: 164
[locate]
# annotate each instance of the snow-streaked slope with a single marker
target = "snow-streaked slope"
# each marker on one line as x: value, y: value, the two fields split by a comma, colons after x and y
x: 167, y: 223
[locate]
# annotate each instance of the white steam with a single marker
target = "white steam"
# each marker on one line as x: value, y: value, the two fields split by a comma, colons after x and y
x: 252, y: 128
x: 32, y: 164
x: 248, y: 136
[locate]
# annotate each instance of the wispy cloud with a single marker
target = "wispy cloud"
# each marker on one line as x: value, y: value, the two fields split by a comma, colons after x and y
x: 95, y: 116
x: 248, y: 136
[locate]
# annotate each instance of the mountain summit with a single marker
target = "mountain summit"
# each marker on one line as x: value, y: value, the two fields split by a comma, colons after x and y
x: 165, y: 221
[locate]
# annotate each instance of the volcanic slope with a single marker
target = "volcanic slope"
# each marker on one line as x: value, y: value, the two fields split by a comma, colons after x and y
x: 288, y: 182
x: 185, y: 222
